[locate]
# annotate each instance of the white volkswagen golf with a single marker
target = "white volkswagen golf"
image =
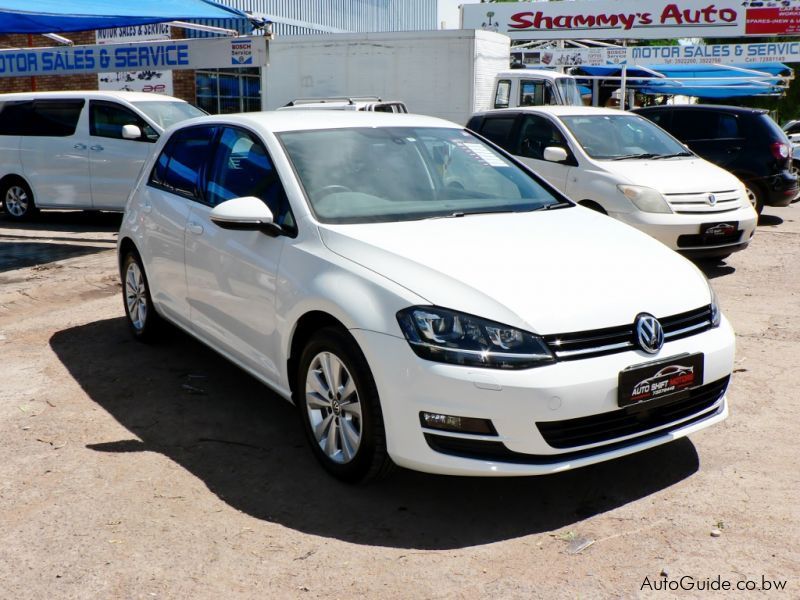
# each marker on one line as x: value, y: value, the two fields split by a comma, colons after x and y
x: 423, y: 298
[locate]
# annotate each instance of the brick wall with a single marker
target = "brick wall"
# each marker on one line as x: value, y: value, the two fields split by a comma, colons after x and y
x: 183, y: 81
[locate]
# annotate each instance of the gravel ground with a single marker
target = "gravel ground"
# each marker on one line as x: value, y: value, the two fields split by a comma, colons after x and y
x: 133, y: 471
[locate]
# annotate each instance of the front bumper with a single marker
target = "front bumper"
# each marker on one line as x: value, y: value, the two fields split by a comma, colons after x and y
x: 515, y: 401
x: 681, y: 232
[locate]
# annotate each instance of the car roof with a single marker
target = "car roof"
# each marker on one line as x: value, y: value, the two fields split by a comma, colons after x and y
x: 92, y: 94
x: 709, y: 107
x: 560, y: 110
x: 541, y: 73
x: 297, y: 120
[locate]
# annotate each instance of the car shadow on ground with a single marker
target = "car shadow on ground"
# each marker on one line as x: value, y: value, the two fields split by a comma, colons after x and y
x: 183, y: 400
x: 769, y: 220
x: 713, y: 267
x: 36, y: 242
x: 77, y: 221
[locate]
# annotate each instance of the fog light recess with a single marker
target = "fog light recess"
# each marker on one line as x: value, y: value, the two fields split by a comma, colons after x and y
x: 457, y: 424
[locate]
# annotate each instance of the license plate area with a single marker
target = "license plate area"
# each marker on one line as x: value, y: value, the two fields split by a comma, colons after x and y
x: 721, y: 230
x: 665, y: 378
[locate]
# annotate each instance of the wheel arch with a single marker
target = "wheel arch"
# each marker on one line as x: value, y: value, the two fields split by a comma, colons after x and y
x: 304, y: 328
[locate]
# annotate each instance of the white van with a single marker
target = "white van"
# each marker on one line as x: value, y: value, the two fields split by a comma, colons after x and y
x: 78, y: 150
x: 625, y: 166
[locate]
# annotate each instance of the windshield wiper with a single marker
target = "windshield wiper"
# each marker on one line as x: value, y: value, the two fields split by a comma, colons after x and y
x: 639, y: 155
x: 462, y: 213
x: 675, y: 155
x: 554, y: 206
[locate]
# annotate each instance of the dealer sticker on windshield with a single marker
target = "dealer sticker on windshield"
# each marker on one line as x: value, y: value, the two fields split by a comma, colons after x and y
x: 660, y: 379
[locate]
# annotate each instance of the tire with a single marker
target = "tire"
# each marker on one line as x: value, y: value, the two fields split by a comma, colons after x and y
x: 340, y: 409
x: 756, y: 197
x: 143, y: 320
x: 18, y: 200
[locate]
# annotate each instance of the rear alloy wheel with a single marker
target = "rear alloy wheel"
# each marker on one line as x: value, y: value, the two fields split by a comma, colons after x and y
x: 340, y: 409
x: 754, y: 195
x: 18, y: 201
x: 143, y: 320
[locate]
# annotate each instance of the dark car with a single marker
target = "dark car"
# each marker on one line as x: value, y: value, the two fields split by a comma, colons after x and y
x: 745, y: 141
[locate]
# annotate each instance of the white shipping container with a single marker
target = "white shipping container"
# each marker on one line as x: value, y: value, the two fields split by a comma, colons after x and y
x: 447, y: 74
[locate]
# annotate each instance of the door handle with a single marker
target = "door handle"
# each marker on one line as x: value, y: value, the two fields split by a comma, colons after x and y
x: 195, y: 228
x: 80, y: 146
x: 96, y: 148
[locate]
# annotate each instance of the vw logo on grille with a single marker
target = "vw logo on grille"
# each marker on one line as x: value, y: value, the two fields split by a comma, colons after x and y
x: 712, y: 199
x: 649, y: 333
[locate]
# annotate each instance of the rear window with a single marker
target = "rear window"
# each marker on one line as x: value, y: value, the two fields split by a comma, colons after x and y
x: 690, y: 125
x: 179, y: 165
x: 775, y: 132
x: 497, y: 129
x: 49, y: 118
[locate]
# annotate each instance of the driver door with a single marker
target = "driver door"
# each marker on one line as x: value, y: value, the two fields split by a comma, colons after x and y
x: 232, y: 274
x: 536, y: 133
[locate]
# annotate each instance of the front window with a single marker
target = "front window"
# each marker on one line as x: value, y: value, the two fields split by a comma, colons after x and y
x: 167, y: 113
x: 378, y: 175
x: 618, y: 137
x: 569, y: 91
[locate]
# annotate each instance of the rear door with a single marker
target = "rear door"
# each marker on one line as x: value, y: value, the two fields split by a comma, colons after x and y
x: 114, y: 162
x: 54, y: 152
x: 165, y: 203
x: 716, y: 136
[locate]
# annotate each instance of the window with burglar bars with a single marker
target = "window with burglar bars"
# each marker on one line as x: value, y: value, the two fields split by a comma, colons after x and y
x: 224, y: 91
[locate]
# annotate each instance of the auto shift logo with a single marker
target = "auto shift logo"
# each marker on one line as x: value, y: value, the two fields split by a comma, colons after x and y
x: 649, y: 333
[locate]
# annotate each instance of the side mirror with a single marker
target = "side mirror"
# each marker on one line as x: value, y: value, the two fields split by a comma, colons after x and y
x: 131, y: 132
x: 555, y: 154
x: 247, y: 213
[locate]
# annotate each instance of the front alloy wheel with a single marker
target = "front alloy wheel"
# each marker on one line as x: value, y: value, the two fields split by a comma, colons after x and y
x: 339, y: 406
x: 334, y: 409
x: 754, y: 196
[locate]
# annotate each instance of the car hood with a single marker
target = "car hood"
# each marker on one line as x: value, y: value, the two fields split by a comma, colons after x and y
x: 553, y: 271
x: 674, y: 175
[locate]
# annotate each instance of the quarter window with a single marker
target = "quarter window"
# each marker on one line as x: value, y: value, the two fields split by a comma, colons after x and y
x: 242, y: 167
x: 180, y: 164
x: 503, y: 94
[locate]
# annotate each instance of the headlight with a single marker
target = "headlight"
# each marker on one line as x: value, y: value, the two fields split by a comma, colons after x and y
x: 716, y: 313
x: 448, y: 336
x: 645, y: 199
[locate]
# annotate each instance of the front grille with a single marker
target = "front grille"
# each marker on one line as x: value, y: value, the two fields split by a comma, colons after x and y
x: 631, y: 419
x: 698, y: 203
x: 498, y: 452
x: 697, y: 240
x: 599, y: 342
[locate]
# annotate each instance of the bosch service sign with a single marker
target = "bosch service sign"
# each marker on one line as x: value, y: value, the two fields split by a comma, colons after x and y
x: 642, y: 19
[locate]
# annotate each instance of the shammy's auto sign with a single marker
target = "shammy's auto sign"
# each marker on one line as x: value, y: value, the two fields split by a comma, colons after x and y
x: 649, y: 19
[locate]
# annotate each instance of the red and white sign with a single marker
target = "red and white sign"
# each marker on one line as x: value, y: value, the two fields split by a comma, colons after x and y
x: 635, y: 19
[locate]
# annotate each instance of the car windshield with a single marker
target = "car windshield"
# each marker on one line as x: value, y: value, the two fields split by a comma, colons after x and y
x: 624, y: 136
x: 384, y: 174
x: 569, y: 91
x: 166, y: 113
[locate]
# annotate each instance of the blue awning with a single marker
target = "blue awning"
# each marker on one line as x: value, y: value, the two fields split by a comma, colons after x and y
x: 707, y: 81
x: 59, y: 16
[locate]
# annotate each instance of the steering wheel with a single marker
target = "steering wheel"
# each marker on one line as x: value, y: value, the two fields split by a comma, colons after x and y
x: 327, y: 190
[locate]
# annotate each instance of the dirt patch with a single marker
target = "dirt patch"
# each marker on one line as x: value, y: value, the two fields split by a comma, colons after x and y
x: 133, y: 471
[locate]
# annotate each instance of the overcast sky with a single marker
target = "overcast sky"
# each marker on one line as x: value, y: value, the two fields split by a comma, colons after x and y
x: 448, y: 11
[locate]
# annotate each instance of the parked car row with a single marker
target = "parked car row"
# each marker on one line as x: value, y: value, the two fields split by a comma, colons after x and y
x: 429, y: 295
